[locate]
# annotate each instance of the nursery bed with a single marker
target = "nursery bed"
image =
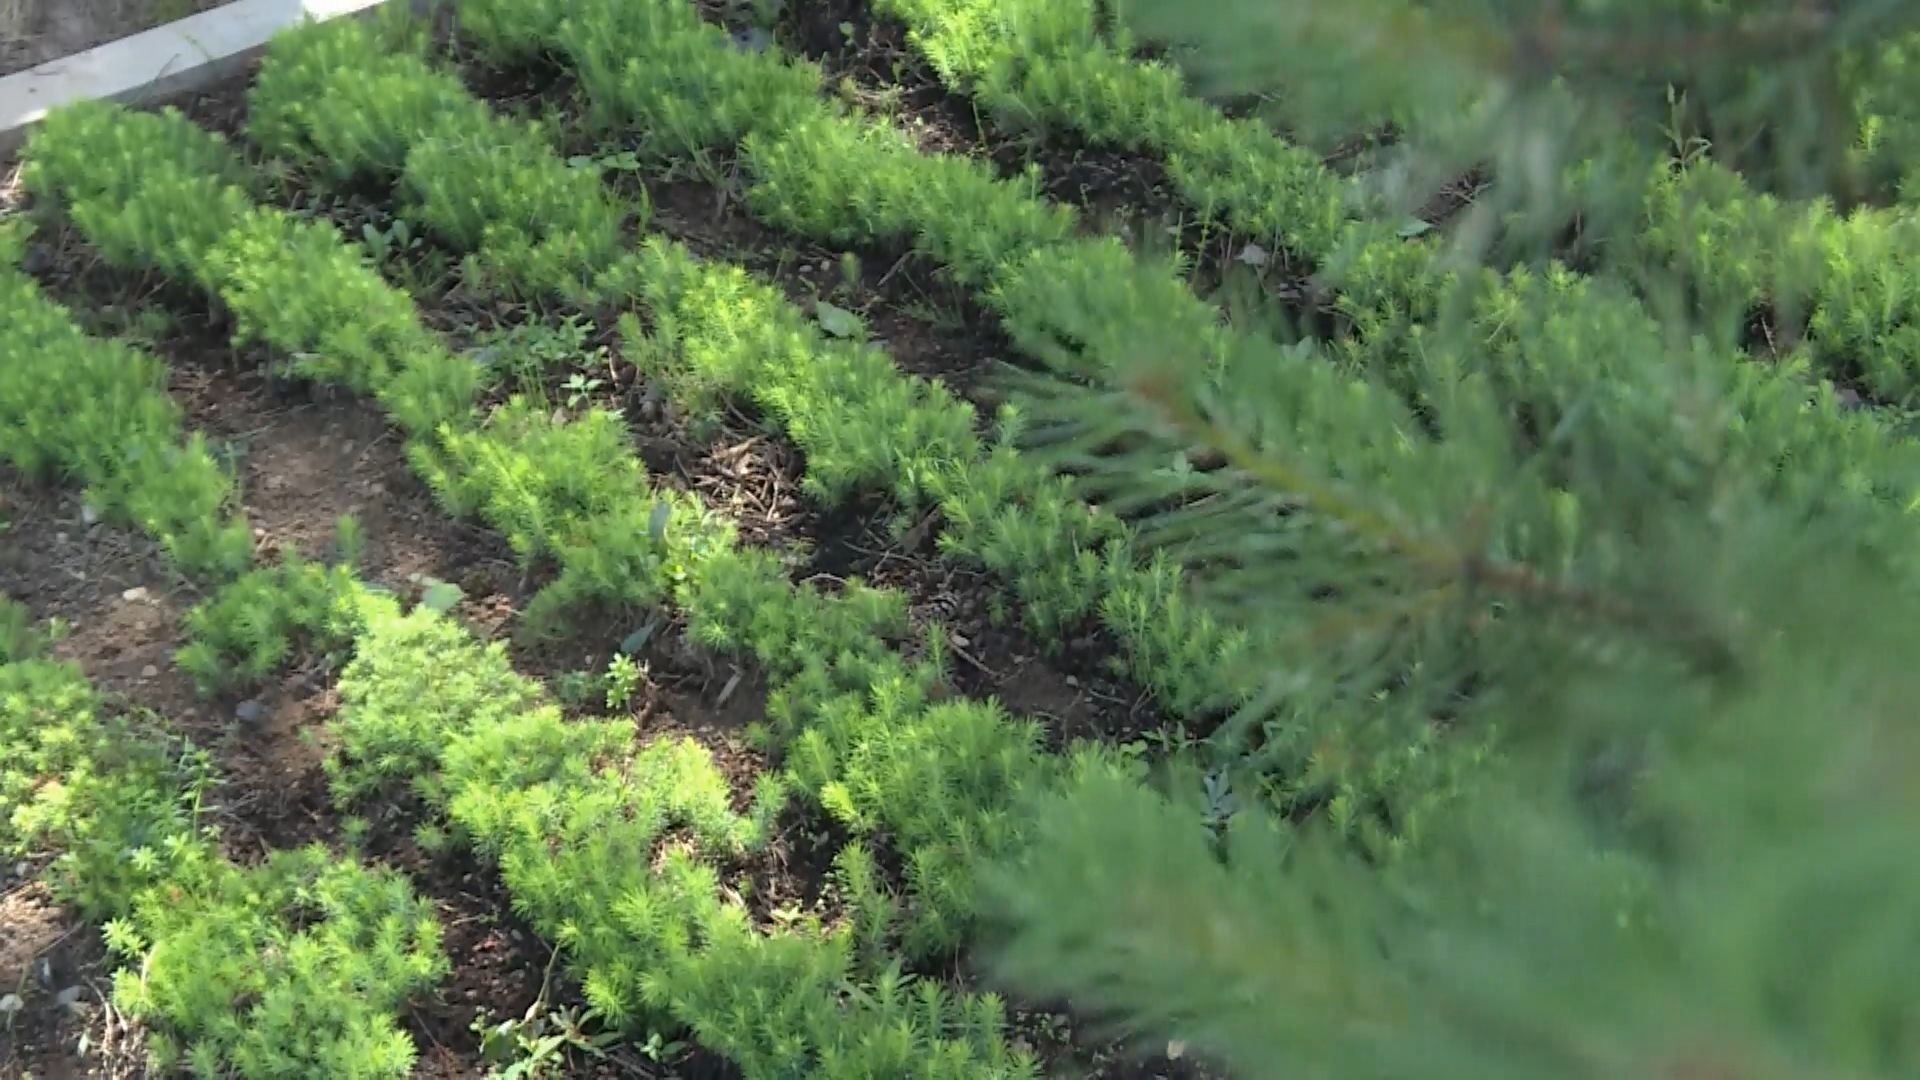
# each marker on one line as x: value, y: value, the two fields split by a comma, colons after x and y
x: 635, y: 401
x: 305, y: 456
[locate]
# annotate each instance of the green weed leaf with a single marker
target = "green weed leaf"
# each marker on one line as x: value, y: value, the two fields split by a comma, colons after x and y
x: 838, y: 321
x: 441, y: 596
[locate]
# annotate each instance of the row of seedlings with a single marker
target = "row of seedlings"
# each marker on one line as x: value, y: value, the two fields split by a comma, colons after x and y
x: 624, y: 854
x: 1084, y: 307
x: 1050, y: 65
x: 863, y: 426
x: 296, y: 966
x: 1551, y: 351
x: 866, y: 731
x: 96, y: 412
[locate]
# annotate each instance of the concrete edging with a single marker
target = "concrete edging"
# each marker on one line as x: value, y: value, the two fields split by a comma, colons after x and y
x: 156, y: 64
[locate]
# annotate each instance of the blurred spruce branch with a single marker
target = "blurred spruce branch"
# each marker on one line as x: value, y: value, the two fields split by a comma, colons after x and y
x: 1573, y: 732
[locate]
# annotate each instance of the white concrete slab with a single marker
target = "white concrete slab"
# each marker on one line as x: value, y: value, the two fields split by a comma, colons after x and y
x: 158, y: 63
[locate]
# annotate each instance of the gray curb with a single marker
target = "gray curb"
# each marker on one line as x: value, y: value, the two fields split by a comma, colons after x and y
x: 157, y: 64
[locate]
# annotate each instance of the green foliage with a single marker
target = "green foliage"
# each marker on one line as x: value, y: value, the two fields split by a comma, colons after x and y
x: 534, y: 478
x: 623, y: 677
x: 393, y: 727
x: 338, y: 101
x: 81, y: 781
x: 1576, y: 654
x: 1845, y: 279
x: 250, y: 628
x: 632, y: 59
x: 1082, y: 307
x: 1032, y: 63
x: 501, y: 192
x: 1179, y: 648
x: 15, y: 234
x: 1883, y: 81
x: 739, y: 600
x: 1511, y: 602
x: 126, y: 178
x: 601, y: 845
x: 1797, y: 101
x: 861, y: 424
x: 293, y: 968
x: 937, y: 778
x: 512, y: 31
x: 295, y: 286
x: 862, y: 183
x: 1012, y: 516
x: 872, y: 907
x: 525, y: 356
x: 98, y: 412
x: 19, y: 640
x: 542, y: 1044
x: 432, y: 391
x: 782, y: 1024
x: 1047, y: 66
x: 344, y: 99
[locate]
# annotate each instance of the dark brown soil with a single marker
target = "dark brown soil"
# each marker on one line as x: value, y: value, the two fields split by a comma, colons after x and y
x: 59, y: 970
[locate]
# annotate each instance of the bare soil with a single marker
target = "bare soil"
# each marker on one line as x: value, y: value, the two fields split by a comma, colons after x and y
x: 33, y: 32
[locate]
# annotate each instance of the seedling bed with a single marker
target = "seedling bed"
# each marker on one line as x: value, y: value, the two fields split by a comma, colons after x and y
x: 304, y: 455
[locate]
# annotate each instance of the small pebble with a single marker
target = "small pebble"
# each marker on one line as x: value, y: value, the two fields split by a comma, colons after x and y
x: 11, y: 1004
x: 70, y: 997
x: 959, y: 641
x: 149, y: 671
x: 259, y: 533
x: 88, y: 515
x: 134, y: 595
x: 751, y: 39
x: 1072, y: 681
x: 249, y: 711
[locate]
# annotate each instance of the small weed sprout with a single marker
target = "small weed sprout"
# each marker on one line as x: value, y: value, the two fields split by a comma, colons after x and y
x: 623, y: 677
